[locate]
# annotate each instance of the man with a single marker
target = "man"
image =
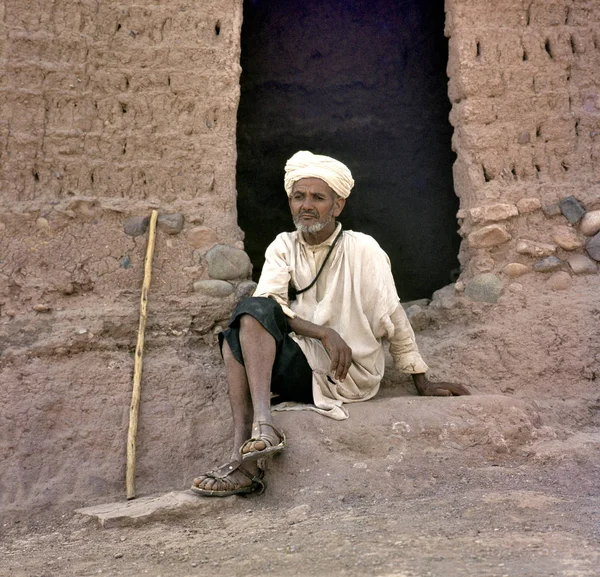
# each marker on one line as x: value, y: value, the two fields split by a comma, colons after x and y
x: 322, y: 347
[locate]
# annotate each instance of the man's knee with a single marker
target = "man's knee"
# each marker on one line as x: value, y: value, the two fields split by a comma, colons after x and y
x: 249, y: 323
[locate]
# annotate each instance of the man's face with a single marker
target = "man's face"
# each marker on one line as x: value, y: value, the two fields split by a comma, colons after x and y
x: 314, y: 205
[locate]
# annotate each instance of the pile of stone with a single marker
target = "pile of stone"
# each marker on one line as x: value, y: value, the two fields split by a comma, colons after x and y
x: 228, y: 267
x: 574, y: 248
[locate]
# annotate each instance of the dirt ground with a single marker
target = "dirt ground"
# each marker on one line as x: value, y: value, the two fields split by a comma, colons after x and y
x: 450, y: 491
x: 502, y: 483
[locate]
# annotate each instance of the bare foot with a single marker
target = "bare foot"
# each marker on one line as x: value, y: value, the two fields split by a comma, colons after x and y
x: 230, y: 479
x: 266, y: 440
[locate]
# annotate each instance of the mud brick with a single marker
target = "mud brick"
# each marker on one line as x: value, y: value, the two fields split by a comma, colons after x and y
x: 70, y: 112
x: 26, y: 112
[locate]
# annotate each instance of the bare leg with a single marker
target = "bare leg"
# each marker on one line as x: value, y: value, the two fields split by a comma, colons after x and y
x: 258, y: 349
x: 239, y: 398
x: 241, y: 410
x: 249, y: 395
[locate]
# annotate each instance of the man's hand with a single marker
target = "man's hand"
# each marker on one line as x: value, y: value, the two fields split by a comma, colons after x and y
x: 339, y: 353
x: 337, y: 349
x: 428, y: 389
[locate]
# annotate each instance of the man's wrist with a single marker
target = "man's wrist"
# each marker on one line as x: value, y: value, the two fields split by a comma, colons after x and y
x: 420, y: 381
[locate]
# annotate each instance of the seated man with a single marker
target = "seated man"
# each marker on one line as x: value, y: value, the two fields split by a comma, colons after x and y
x: 321, y: 346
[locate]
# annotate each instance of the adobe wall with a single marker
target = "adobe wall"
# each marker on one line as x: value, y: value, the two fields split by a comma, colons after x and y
x: 111, y: 109
x: 524, y: 86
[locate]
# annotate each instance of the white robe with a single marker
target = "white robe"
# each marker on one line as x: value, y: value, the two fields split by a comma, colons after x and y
x: 356, y: 296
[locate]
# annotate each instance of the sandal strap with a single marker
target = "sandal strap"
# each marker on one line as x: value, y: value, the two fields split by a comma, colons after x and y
x: 223, y: 472
x: 256, y: 432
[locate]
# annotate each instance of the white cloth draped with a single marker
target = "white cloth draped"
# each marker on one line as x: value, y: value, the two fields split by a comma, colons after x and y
x: 356, y: 296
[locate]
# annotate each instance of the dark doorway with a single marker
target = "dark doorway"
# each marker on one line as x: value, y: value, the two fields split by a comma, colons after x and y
x: 363, y: 81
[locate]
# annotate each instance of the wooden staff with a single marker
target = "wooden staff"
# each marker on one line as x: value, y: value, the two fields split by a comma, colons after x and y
x: 137, y: 370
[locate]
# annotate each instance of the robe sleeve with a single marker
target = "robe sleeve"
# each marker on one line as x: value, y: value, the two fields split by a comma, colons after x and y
x: 275, y: 276
x: 403, y: 346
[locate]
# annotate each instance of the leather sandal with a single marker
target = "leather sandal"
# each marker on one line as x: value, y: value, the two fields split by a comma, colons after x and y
x: 269, y: 450
x: 222, y: 474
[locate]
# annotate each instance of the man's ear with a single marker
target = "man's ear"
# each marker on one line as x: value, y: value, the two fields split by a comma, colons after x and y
x: 338, y: 205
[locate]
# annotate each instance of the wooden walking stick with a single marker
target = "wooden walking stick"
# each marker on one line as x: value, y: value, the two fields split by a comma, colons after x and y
x: 137, y: 370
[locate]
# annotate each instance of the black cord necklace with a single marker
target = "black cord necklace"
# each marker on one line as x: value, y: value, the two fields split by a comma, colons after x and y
x: 293, y: 292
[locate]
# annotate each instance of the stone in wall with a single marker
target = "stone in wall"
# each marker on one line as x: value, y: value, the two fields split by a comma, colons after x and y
x: 136, y: 225
x: 515, y: 269
x: 593, y: 247
x: 548, y: 264
x: 214, y: 288
x: 202, y: 238
x: 590, y: 223
x: 566, y: 237
x: 581, y: 264
x: 494, y: 212
x: 560, y: 281
x: 485, y: 287
x: 527, y: 205
x: 228, y: 263
x: 488, y: 236
x: 535, y: 249
x: 571, y: 209
x: 171, y: 223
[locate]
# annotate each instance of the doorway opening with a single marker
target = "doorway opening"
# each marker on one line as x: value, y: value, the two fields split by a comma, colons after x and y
x: 363, y: 81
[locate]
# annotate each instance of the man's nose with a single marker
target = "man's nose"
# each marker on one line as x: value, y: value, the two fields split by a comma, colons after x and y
x: 307, y: 204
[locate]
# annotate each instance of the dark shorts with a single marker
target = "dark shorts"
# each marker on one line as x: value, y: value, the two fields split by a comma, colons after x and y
x: 291, y: 379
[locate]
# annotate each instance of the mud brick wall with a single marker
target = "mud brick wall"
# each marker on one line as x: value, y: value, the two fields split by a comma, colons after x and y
x: 524, y: 86
x: 109, y: 110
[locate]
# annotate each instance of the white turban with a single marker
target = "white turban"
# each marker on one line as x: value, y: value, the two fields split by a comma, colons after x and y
x: 305, y: 164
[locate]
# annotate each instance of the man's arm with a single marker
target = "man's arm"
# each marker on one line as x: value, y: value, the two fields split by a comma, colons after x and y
x: 337, y: 349
x: 404, y: 351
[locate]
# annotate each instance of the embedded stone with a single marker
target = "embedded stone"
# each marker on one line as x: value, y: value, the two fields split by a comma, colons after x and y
x: 571, y: 209
x: 171, y: 223
x: 515, y: 287
x: 228, y: 263
x: 213, y: 288
x: 560, y: 281
x: 593, y: 247
x: 590, y: 223
x: 566, y: 238
x: 42, y: 222
x: 423, y: 303
x: 548, y: 264
x: 551, y: 209
x: 581, y: 264
x: 245, y: 289
x: 526, y: 205
x: 418, y: 318
x: 202, y: 237
x: 484, y: 263
x: 485, y: 287
x: 136, y: 225
x: 515, y: 269
x: 524, y: 138
x: 536, y: 249
x: 488, y: 236
x: 41, y: 308
x: 493, y: 212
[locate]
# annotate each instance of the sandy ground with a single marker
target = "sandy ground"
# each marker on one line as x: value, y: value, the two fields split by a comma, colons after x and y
x: 478, y: 486
x: 505, y: 482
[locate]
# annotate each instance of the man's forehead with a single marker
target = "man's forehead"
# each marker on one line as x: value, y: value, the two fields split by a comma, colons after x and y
x: 311, y: 184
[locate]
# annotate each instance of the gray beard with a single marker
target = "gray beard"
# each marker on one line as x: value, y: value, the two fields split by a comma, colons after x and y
x: 313, y: 228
